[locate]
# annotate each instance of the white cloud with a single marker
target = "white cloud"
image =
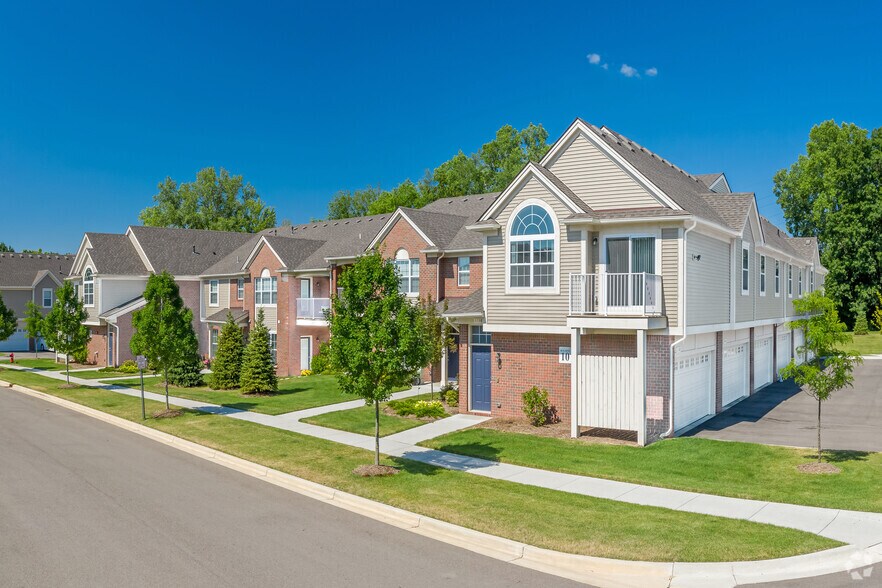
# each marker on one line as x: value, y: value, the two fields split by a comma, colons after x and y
x: 628, y: 71
x: 652, y: 72
x: 605, y: 66
x: 593, y: 58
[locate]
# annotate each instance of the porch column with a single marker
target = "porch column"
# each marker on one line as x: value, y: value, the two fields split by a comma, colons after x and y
x: 575, y: 349
x: 641, y: 378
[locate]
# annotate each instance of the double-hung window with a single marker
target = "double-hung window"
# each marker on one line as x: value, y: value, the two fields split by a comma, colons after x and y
x: 799, y: 278
x: 811, y: 280
x: 240, y: 289
x: 762, y: 280
x: 408, y: 273
x: 47, y: 297
x: 273, y: 339
x: 532, y: 249
x: 213, y: 293
x: 88, y: 288
x: 745, y: 269
x: 265, y: 289
x: 463, y: 271
x: 777, y: 278
x: 790, y: 281
x: 214, y: 336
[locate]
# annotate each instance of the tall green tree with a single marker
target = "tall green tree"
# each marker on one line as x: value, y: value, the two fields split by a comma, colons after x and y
x: 379, y: 336
x: 829, y: 368
x: 163, y: 327
x: 33, y: 323
x: 216, y: 200
x: 258, y: 374
x: 8, y: 322
x: 834, y: 192
x: 226, y: 368
x: 63, y: 327
x: 490, y: 169
x: 4, y: 248
x: 438, y: 337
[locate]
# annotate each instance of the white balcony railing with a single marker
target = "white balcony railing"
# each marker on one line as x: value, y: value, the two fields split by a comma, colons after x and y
x: 635, y: 294
x: 312, y: 308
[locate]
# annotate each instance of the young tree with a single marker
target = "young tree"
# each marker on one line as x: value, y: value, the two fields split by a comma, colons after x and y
x: 379, y: 336
x: 8, y: 322
x: 877, y: 314
x: 215, y: 201
x: 163, y: 327
x: 258, y: 366
x: 226, y: 368
x: 63, y: 327
x: 186, y: 372
x: 438, y: 337
x: 830, y: 369
x: 33, y: 323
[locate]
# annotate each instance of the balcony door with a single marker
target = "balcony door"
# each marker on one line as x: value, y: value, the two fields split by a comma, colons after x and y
x: 305, y: 288
x: 626, y: 257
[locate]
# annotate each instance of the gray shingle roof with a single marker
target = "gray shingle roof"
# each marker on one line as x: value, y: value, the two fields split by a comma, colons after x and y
x: 628, y: 213
x: 470, y: 208
x: 293, y: 251
x: 733, y: 208
x: 440, y: 228
x: 806, y: 247
x: 473, y: 304
x: 231, y: 265
x: 114, y: 254
x: 708, y: 179
x: 240, y: 315
x: 119, y: 307
x: 186, y: 252
x: 23, y: 270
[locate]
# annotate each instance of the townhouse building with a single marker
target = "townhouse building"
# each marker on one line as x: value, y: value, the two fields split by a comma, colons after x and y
x: 26, y: 277
x: 645, y: 299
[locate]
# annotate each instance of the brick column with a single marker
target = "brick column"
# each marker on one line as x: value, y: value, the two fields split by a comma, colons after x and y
x: 718, y: 360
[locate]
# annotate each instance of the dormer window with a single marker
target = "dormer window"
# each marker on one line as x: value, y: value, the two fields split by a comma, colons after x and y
x: 88, y: 288
x: 532, y: 245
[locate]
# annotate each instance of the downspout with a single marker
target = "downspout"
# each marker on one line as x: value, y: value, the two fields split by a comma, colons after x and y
x: 670, y: 430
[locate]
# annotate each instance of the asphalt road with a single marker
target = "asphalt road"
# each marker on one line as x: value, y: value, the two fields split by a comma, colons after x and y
x: 83, y: 503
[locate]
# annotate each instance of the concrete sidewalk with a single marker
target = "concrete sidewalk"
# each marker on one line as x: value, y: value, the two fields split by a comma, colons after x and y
x: 855, y: 528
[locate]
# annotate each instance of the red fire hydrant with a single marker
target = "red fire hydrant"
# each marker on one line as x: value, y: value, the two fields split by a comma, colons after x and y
x: 11, y: 358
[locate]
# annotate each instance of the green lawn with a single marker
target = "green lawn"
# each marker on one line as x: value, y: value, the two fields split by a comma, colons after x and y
x: 869, y: 344
x: 295, y: 393
x: 43, y: 364
x: 361, y: 420
x: 538, y: 516
x: 742, y: 470
x: 100, y: 375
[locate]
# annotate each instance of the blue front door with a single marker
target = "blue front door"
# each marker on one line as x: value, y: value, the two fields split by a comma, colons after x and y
x: 481, y: 377
x: 453, y: 360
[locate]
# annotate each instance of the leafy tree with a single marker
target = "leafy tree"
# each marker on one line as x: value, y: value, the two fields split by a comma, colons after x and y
x: 215, y: 201
x: 830, y: 369
x: 438, y: 337
x: 226, y: 369
x: 33, y: 323
x: 379, y: 336
x: 834, y: 193
x: 163, y: 327
x: 186, y: 372
x: 63, y: 327
x: 39, y: 251
x: 4, y: 248
x: 8, y: 322
x: 258, y: 366
x: 490, y: 169
x: 877, y: 314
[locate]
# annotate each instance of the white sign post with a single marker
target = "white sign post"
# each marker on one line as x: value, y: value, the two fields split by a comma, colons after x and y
x: 142, y: 365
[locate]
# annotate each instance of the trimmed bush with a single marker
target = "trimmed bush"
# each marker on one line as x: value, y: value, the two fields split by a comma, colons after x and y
x: 305, y: 372
x: 536, y: 406
x: 321, y: 362
x: 81, y: 356
x: 127, y: 367
x: 418, y: 408
x: 226, y: 368
x: 860, y: 325
x: 450, y: 395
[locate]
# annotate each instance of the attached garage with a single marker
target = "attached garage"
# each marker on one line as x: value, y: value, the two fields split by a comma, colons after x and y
x: 798, y: 340
x: 762, y: 362
x: 17, y: 342
x: 735, y: 375
x: 783, y: 352
x: 694, y: 388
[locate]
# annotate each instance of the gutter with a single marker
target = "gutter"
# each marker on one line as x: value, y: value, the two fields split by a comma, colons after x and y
x: 670, y: 430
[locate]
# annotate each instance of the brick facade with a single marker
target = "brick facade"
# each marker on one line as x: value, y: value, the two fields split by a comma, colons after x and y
x: 97, y: 347
x: 450, y: 287
x: 658, y: 382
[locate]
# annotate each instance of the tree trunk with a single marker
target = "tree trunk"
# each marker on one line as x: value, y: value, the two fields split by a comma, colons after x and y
x: 167, y: 407
x: 432, y: 382
x: 377, y: 432
x: 819, y: 430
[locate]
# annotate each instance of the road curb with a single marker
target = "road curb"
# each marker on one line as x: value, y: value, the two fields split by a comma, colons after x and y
x: 601, y: 572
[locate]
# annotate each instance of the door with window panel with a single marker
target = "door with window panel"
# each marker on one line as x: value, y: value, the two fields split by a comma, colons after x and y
x: 627, y: 259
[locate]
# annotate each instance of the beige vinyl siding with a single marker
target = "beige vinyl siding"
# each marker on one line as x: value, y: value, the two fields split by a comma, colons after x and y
x: 223, y: 296
x: 46, y: 282
x: 17, y: 300
x: 596, y: 179
x: 270, y: 317
x: 531, y: 309
x: 670, y: 249
x: 94, y: 310
x: 744, y: 304
x: 707, y: 280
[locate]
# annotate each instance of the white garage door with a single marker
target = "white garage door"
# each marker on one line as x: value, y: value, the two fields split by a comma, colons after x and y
x: 762, y: 362
x: 693, y: 388
x: 798, y: 340
x: 783, y: 352
x: 18, y: 342
x: 735, y: 380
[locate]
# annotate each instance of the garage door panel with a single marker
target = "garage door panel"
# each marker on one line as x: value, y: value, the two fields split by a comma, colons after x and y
x: 694, y: 388
x: 783, y: 352
x: 735, y: 378
x: 762, y: 362
x: 17, y: 342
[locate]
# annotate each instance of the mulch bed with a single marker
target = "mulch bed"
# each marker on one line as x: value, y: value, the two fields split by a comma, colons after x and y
x: 560, y: 430
x: 818, y: 468
x: 168, y: 413
x: 373, y: 471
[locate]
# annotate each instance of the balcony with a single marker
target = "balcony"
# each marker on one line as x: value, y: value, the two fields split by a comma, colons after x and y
x: 312, y: 309
x: 616, y: 295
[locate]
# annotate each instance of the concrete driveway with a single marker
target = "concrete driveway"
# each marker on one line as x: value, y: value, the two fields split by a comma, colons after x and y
x: 781, y: 414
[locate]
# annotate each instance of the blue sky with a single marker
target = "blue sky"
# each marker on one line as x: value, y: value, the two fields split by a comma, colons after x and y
x: 99, y: 103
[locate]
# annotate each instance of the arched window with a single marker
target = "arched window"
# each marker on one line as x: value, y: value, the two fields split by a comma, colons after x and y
x: 408, y: 273
x: 265, y: 289
x: 88, y: 288
x: 532, y: 243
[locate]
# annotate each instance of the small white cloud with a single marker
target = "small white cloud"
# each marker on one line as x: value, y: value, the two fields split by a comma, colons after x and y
x: 605, y: 66
x: 652, y: 72
x: 593, y: 58
x: 628, y: 71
